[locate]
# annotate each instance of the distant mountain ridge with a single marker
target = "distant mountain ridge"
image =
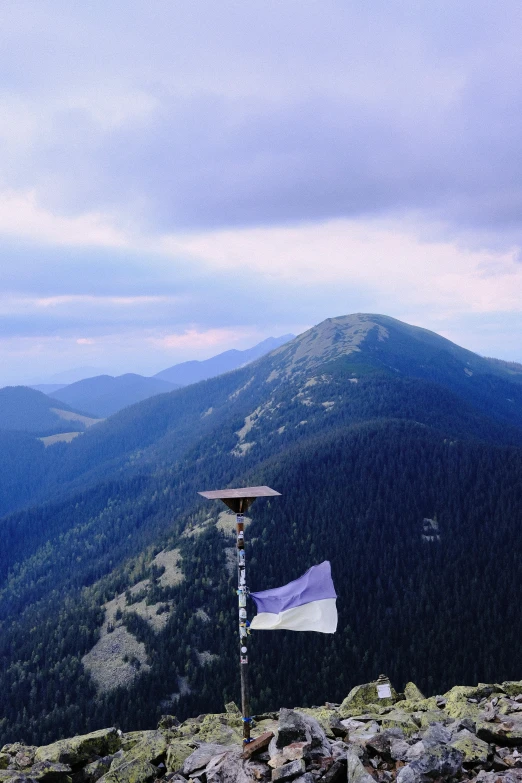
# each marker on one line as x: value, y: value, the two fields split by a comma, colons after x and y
x: 194, y: 371
x: 104, y: 395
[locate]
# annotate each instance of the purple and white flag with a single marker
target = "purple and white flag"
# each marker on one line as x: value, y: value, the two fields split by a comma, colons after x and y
x: 306, y: 604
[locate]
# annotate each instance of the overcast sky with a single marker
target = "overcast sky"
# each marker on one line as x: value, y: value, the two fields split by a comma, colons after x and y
x: 180, y: 177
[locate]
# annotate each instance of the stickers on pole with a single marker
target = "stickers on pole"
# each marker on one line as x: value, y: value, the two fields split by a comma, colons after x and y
x: 384, y: 691
x: 244, y: 659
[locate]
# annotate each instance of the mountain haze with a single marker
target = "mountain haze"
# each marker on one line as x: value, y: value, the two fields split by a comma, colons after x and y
x: 399, y: 458
x: 104, y: 395
x: 191, y: 372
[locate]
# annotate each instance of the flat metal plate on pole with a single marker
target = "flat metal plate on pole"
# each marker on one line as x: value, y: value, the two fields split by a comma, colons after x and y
x: 240, y: 499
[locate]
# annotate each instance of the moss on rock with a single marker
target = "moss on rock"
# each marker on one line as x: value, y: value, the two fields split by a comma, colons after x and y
x: 412, y: 693
x: 474, y: 750
x: 135, y: 771
x: 362, y: 696
x: 82, y: 749
x: 177, y: 752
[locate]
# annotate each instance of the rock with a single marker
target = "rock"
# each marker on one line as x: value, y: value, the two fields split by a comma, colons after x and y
x: 399, y: 750
x: 355, y: 770
x: 232, y: 709
x: 199, y: 759
x: 339, y: 749
x: 177, y: 752
x: 380, y: 743
x: 415, y: 751
x: 474, y: 750
x: 15, y: 776
x: 167, y: 722
x: 335, y: 774
x: 328, y: 719
x: 425, y: 719
x: 95, y: 770
x: 359, y: 731
x: 82, y: 749
x: 363, y: 696
x: 307, y: 778
x: 292, y: 752
x: 135, y: 771
x: 226, y: 729
x: 437, y: 761
x: 436, y: 734
x: 4, y: 760
x: 289, y: 771
x: 398, y: 719
x: 512, y: 688
x: 412, y: 693
x: 50, y: 771
x: 505, y: 732
x: 292, y: 727
x: 151, y: 747
x: 462, y: 700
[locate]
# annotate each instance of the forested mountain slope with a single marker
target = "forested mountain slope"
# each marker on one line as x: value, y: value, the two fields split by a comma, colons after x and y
x: 393, y: 462
x: 26, y: 410
x: 104, y: 395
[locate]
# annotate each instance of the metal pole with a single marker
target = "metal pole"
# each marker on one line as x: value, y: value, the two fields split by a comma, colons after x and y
x: 243, y: 649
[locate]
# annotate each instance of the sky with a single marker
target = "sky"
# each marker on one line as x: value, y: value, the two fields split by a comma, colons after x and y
x: 181, y: 177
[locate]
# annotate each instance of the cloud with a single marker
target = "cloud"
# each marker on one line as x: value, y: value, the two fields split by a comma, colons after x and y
x: 274, y: 113
x: 22, y: 216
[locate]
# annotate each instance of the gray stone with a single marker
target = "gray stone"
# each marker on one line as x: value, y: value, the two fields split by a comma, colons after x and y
x: 289, y: 771
x: 436, y: 734
x: 380, y: 743
x: 507, y: 731
x: 339, y: 749
x: 436, y: 762
x: 199, y: 759
x: 399, y: 750
x: 336, y: 773
x: 292, y: 727
x: 230, y: 767
x: 355, y: 770
x: 416, y: 750
x: 49, y: 771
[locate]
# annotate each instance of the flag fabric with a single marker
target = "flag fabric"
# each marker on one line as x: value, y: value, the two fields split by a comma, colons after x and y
x: 306, y: 604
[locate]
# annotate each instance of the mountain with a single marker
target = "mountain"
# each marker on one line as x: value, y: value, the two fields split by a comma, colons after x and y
x: 48, y: 388
x: 104, y: 395
x: 24, y: 409
x: 70, y: 376
x: 191, y: 372
x: 398, y: 456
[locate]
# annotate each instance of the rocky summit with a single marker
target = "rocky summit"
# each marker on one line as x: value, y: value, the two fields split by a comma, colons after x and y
x: 376, y: 735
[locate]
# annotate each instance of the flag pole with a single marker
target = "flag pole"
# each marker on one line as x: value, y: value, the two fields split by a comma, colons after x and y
x: 242, y: 592
x: 239, y: 501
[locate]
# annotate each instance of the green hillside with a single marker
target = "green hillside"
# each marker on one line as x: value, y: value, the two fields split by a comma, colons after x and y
x: 393, y: 462
x: 23, y: 409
